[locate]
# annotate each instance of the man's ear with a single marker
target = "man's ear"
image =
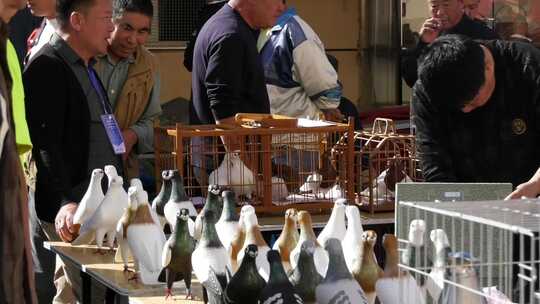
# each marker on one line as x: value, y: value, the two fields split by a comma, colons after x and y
x: 76, y: 20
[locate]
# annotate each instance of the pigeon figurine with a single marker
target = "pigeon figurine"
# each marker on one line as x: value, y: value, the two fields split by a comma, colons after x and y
x: 352, y: 242
x: 415, y: 255
x: 335, y: 227
x: 441, y: 249
x: 111, y: 173
x: 246, y: 285
x: 237, y: 242
x: 123, y: 253
x: 338, y: 286
x: 232, y: 172
x: 366, y: 271
x: 395, y: 286
x: 227, y: 225
x: 106, y: 217
x: 254, y: 237
x: 288, y: 238
x: 305, y: 277
x: 90, y: 201
x: 463, y: 273
x: 213, y: 202
x: 142, y: 195
x: 176, y: 256
x: 306, y: 233
x: 158, y: 204
x: 210, y: 261
x: 145, y: 239
x: 178, y: 200
x: 279, y: 289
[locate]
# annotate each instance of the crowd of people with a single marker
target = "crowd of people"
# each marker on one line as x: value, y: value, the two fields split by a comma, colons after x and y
x: 89, y: 91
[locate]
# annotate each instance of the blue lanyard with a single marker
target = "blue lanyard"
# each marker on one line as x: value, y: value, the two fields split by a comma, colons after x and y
x: 99, y: 90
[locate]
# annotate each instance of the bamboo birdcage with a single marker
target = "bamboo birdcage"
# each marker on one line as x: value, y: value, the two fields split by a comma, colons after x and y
x: 382, y: 158
x: 280, y: 153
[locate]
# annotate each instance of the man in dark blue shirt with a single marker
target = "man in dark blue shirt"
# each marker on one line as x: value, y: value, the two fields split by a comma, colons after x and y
x: 228, y: 77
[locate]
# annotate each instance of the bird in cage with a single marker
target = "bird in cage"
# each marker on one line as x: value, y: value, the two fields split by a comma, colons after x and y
x: 176, y: 255
x: 441, y: 249
x: 254, y: 237
x: 352, y: 241
x: 366, y: 271
x: 91, y: 200
x: 465, y: 274
x: 396, y: 286
x: 158, y: 204
x: 383, y: 186
x: 288, y: 239
x: 104, y: 220
x: 210, y: 262
x: 246, y: 284
x: 214, y: 203
x: 338, y: 285
x: 145, y: 239
x: 416, y: 255
x: 305, y: 277
x: 307, y: 233
x: 335, y: 227
x: 233, y: 173
x: 178, y: 200
x: 278, y: 289
x: 227, y: 226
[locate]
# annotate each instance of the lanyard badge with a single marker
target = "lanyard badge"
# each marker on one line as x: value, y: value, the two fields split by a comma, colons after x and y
x: 114, y: 133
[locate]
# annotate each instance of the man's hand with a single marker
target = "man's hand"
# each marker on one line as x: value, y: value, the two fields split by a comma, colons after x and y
x: 430, y: 30
x: 64, y: 222
x: 130, y: 139
x: 334, y: 115
x: 529, y: 189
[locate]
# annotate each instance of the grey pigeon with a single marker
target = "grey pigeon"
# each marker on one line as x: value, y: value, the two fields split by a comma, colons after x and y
x: 227, y: 226
x: 279, y: 289
x: 176, y: 255
x: 463, y: 273
x: 178, y: 199
x: 158, y: 204
x: 214, y: 203
x: 246, y: 285
x: 305, y: 277
x: 210, y: 261
x: 339, y: 286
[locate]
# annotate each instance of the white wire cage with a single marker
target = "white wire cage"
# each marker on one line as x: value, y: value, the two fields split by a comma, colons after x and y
x: 489, y: 252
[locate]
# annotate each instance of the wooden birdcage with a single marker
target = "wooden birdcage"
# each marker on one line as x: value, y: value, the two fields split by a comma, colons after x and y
x: 382, y: 158
x: 275, y: 162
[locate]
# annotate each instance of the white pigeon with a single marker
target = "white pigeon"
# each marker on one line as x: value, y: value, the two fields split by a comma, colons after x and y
x: 338, y: 286
x: 254, y: 237
x: 312, y: 184
x: 213, y: 202
x: 123, y: 253
x: 396, y: 286
x: 320, y: 256
x: 335, y: 227
x: 91, y: 199
x: 106, y: 217
x: 334, y: 193
x: 441, y: 248
x: 233, y: 173
x: 227, y: 226
x: 111, y: 173
x: 178, y: 201
x: 146, y: 240
x: 352, y: 242
x: 135, y: 182
x: 279, y: 189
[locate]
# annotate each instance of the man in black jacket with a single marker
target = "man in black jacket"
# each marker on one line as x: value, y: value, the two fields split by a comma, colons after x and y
x: 476, y: 107
x: 447, y: 17
x: 65, y: 106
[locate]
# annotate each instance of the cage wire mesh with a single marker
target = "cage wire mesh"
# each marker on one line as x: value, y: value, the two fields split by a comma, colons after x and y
x: 271, y: 167
x: 483, y: 251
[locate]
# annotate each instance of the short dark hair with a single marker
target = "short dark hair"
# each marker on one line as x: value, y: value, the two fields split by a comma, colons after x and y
x: 64, y: 8
x: 452, y: 70
x: 143, y: 7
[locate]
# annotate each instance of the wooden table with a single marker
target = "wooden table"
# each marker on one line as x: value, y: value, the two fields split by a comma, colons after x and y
x: 102, y: 269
